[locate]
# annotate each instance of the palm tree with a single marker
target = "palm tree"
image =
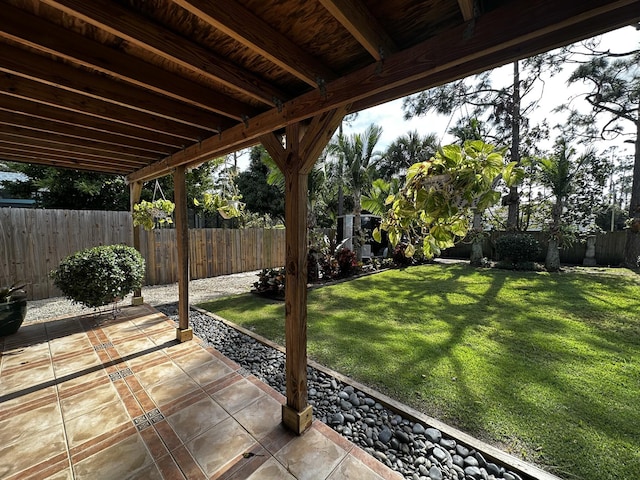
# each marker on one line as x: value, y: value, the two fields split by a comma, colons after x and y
x: 557, y: 173
x: 357, y: 153
x: 404, y: 152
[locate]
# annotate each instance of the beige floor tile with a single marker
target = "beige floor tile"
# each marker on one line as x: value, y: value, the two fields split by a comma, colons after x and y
x: 88, y: 400
x: 238, y: 396
x: 27, y: 335
x: 261, y: 417
x: 19, y: 401
x: 150, y: 472
x: 77, y: 365
x: 311, y: 456
x: 147, y: 357
x: 32, y: 450
x: 163, y: 336
x: 353, y: 469
x: 209, y: 372
x: 131, y: 347
x: 28, y: 424
x: 116, y: 462
x: 95, y: 422
x: 22, y: 380
x: 159, y: 373
x: 86, y: 377
x: 22, y: 356
x: 66, y: 474
x: 271, y: 470
x: 219, y: 445
x: 197, y: 418
x: 194, y: 359
x: 120, y: 331
x: 69, y: 344
x: 172, y: 389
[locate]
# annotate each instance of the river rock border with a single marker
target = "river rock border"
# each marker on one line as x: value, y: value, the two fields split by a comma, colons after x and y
x: 411, y: 443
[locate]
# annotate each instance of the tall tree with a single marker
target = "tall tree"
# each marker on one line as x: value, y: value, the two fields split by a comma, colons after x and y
x: 574, y: 183
x: 357, y: 152
x: 404, y: 152
x: 257, y: 194
x: 614, y: 79
x: 507, y: 108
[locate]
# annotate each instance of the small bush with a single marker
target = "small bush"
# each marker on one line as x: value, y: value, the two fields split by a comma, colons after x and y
x: 399, y: 257
x: 347, y: 262
x: 517, y: 250
x: 100, y: 275
x: 271, y: 282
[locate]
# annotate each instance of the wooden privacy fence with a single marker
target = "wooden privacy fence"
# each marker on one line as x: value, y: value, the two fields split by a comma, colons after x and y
x: 212, y: 252
x: 33, y: 242
x: 609, y: 249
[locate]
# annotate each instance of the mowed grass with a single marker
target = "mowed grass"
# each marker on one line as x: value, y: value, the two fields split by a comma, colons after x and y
x: 546, y: 367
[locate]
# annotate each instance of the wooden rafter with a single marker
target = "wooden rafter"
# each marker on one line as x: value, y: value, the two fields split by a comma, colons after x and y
x: 32, y: 31
x: 132, y: 27
x: 249, y: 30
x: 364, y: 27
x: 46, y: 127
x: 467, y: 9
x: 49, y: 72
x: 66, y: 100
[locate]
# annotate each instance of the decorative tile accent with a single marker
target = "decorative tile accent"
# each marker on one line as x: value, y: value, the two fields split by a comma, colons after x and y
x: 120, y: 374
x: 148, y: 419
x: 102, y: 346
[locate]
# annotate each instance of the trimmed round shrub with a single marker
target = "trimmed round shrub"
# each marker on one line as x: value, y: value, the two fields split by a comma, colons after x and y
x: 517, y: 248
x: 100, y: 275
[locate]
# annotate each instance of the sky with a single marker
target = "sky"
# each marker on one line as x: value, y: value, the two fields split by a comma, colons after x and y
x: 390, y: 115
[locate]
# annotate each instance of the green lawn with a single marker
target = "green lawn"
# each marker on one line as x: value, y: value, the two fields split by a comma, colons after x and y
x: 546, y: 367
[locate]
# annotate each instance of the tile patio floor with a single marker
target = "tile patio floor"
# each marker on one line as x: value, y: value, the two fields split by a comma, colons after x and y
x: 89, y: 398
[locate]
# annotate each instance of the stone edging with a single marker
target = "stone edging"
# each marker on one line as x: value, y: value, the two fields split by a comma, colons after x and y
x: 522, y: 468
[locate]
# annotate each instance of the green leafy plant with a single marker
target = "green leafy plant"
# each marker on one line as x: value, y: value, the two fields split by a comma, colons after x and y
x: 149, y: 214
x: 12, y: 293
x: 347, y: 262
x: 518, y: 250
x: 440, y: 195
x: 100, y: 275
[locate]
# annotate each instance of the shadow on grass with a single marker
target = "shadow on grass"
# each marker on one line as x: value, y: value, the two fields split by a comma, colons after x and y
x: 544, y: 365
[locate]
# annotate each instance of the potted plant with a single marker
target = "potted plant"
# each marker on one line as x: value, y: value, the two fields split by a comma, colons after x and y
x: 13, y: 308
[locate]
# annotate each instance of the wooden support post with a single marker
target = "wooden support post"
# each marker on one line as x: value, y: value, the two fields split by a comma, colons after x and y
x: 304, y: 144
x: 135, y: 190
x: 184, y: 332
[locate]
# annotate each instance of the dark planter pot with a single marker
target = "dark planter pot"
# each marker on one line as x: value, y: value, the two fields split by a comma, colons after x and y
x: 11, y: 316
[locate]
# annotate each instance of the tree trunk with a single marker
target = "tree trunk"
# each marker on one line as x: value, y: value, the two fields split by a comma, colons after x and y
x: 476, y: 245
x: 632, y: 243
x: 513, y: 198
x: 357, y: 224
x: 552, y: 261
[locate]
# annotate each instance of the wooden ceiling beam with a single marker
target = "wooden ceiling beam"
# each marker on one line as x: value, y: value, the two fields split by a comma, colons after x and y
x: 246, y: 28
x: 42, y: 69
x: 363, y: 26
x: 139, y: 31
x: 18, y: 148
x: 66, y: 100
x: 62, y: 147
x: 32, y: 31
x: 514, y: 31
x: 48, y: 161
x: 467, y: 9
x: 40, y: 110
x: 23, y: 123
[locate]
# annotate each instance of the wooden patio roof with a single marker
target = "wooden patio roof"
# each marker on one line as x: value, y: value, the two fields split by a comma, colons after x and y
x: 139, y: 87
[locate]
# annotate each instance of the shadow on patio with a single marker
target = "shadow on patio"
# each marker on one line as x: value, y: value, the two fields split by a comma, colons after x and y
x: 92, y: 397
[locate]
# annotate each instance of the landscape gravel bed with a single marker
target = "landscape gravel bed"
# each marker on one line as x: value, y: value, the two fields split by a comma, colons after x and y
x: 417, y: 451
